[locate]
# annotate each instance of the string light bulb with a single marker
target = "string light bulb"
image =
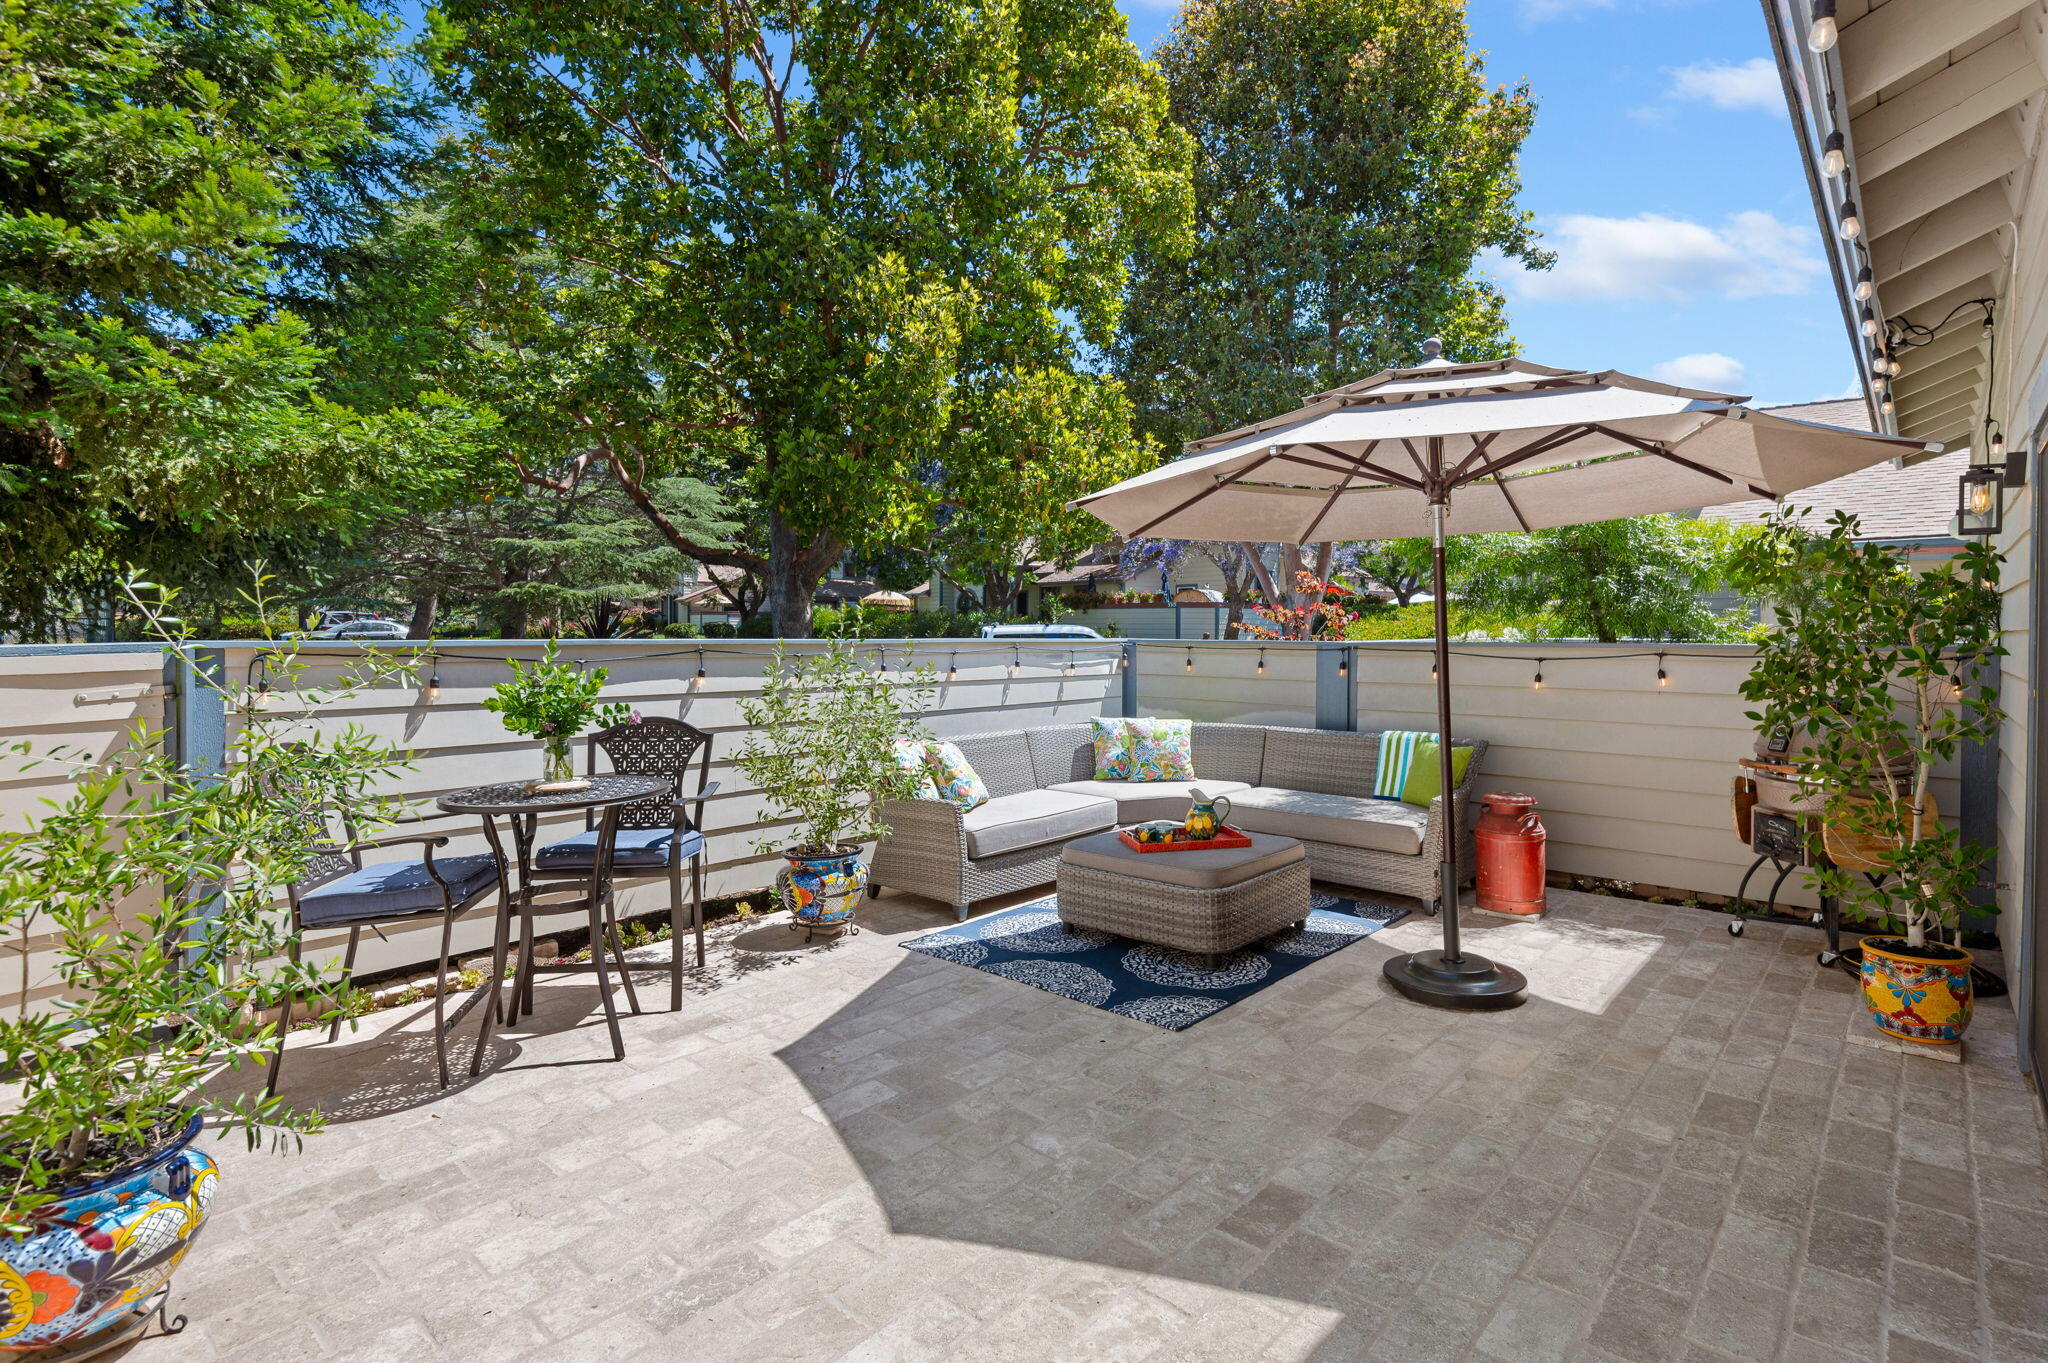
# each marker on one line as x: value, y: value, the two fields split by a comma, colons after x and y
x: 433, y: 680
x: 1851, y: 224
x: 1834, y: 157
x: 1015, y: 661
x: 1869, y: 322
x: 1887, y: 407
x: 1537, y: 684
x: 1822, y: 33
x: 1068, y: 670
x: 1344, y: 663
x: 1262, y: 662
x: 1662, y: 679
x: 1191, y: 660
x: 700, y: 666
x: 1865, y: 285
x: 953, y: 667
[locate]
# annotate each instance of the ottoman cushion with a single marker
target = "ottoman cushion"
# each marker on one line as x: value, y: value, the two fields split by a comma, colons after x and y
x: 1204, y: 870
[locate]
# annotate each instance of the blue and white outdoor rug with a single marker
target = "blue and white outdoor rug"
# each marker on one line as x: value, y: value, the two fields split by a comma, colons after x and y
x: 1166, y: 988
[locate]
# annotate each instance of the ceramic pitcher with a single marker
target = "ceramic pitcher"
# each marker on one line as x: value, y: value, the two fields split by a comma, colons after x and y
x: 1207, y: 814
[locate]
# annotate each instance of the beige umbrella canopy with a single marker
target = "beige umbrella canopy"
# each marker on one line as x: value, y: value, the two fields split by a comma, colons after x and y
x: 1523, y: 446
x: 1466, y: 448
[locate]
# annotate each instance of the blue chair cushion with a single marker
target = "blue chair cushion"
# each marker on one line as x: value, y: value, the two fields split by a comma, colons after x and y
x: 392, y: 889
x: 634, y: 847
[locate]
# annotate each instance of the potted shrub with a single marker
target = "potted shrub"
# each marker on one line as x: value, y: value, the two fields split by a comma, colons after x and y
x: 153, y: 887
x: 1862, y: 665
x: 821, y: 749
x: 553, y: 702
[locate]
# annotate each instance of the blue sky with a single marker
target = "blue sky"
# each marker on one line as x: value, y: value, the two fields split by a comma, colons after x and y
x: 1662, y: 170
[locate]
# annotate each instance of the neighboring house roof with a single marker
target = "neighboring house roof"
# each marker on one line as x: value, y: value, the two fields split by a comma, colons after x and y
x: 838, y: 589
x: 1911, y: 503
x: 1080, y: 572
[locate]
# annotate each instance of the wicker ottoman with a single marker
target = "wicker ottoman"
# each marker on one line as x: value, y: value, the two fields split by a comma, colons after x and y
x: 1207, y: 903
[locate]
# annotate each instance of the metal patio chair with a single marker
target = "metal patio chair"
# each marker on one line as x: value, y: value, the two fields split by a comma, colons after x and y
x: 341, y: 890
x: 655, y: 836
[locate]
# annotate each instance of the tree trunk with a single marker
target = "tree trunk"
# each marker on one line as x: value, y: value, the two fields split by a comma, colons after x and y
x: 795, y: 568
x: 423, y: 612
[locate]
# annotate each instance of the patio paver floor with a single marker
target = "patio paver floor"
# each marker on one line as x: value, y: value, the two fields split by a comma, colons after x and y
x: 869, y: 1154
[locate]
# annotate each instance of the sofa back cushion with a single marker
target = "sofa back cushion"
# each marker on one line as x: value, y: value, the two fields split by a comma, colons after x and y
x: 1229, y: 752
x: 1328, y: 761
x: 1062, y: 752
x: 1001, y: 760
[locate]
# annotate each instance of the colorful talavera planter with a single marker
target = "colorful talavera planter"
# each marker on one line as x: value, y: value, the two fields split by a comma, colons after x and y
x: 102, y: 1248
x: 1917, y: 993
x: 821, y: 892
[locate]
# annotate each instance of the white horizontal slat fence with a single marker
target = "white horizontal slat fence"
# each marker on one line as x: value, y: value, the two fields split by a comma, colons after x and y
x: 457, y: 743
x: 1633, y: 779
x: 86, y: 701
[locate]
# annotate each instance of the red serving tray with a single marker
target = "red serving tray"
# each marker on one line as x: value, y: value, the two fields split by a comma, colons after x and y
x: 1226, y: 836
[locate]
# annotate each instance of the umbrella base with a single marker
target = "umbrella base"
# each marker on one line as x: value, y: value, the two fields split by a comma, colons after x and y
x: 1470, y: 982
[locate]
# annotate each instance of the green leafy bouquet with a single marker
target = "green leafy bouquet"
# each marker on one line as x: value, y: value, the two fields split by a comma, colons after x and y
x: 553, y: 701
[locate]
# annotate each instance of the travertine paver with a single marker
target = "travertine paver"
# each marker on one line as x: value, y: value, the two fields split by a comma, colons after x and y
x: 870, y: 1154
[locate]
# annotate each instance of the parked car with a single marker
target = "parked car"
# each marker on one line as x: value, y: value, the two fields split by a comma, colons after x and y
x: 1038, y: 632
x: 360, y: 627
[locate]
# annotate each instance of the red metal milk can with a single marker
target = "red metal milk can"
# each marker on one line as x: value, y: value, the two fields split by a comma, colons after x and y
x: 1510, y: 839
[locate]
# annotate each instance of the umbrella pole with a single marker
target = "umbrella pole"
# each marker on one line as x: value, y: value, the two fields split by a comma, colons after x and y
x: 1448, y: 977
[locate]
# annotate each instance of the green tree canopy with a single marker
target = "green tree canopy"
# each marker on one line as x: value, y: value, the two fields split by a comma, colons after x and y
x: 1350, y: 165
x: 851, y: 252
x: 154, y: 405
x: 1643, y: 577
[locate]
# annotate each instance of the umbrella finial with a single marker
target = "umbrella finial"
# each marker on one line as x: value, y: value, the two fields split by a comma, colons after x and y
x: 1433, y: 348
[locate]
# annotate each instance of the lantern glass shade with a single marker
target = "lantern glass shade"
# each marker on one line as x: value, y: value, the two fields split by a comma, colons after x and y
x: 1979, y: 509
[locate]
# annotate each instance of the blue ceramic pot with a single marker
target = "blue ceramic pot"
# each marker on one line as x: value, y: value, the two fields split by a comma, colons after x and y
x: 822, y: 891
x: 103, y: 1247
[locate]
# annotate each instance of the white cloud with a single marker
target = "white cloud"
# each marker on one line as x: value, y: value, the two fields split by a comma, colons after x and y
x: 1710, y: 370
x: 1753, y: 84
x: 1654, y: 258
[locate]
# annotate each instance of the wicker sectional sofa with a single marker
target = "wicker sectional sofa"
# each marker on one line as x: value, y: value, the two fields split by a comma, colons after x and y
x: 1310, y: 784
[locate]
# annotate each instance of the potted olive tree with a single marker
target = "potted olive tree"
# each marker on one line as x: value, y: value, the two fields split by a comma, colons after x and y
x: 145, y: 895
x: 1867, y: 660
x: 821, y: 749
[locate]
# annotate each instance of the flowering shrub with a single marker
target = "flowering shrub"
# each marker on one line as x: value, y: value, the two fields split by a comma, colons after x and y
x: 1323, y: 614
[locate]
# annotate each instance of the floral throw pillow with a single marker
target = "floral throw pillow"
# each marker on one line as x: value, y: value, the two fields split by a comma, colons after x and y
x: 954, y: 777
x: 1112, y: 749
x: 1162, y: 749
x: 913, y: 755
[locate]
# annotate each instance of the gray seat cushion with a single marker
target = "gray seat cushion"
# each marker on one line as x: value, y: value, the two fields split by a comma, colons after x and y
x: 633, y: 847
x: 1203, y: 870
x: 1346, y: 821
x: 1032, y: 818
x: 393, y: 889
x: 1137, y: 801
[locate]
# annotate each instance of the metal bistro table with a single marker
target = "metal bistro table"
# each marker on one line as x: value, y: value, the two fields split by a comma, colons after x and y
x: 523, y: 899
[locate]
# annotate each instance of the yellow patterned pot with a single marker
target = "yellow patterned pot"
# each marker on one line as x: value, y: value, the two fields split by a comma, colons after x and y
x: 1917, y: 993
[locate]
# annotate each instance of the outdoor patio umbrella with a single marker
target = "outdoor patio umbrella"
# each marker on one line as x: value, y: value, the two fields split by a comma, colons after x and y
x: 1468, y: 448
